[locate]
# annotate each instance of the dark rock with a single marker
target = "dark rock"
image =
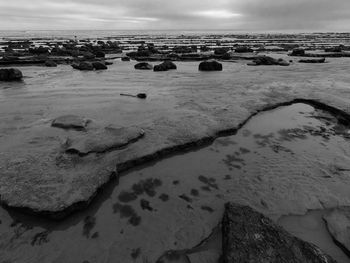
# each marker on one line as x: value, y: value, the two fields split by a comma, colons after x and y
x: 249, y: 236
x: 83, y: 66
x: 143, y: 66
x: 99, y: 65
x: 70, y: 122
x: 165, y: 66
x: 268, y: 61
x: 210, y: 65
x: 338, y: 224
x: 243, y: 49
x: 126, y: 59
x: 316, y: 60
x: 11, y: 74
x: 298, y: 52
x: 50, y: 63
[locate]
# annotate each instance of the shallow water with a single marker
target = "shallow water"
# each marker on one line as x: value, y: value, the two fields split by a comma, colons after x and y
x: 284, y: 161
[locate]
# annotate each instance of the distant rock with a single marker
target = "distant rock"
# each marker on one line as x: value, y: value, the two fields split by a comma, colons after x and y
x: 249, y: 236
x: 143, y: 66
x: 298, y: 52
x: 50, y: 63
x: 338, y: 224
x: 268, y: 61
x: 99, y: 65
x: 210, y: 65
x: 316, y: 60
x: 165, y: 66
x: 83, y: 66
x: 11, y: 74
x: 70, y: 122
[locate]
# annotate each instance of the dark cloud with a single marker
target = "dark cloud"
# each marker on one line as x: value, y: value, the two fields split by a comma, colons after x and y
x: 256, y: 15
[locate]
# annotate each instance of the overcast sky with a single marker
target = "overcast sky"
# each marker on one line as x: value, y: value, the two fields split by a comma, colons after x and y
x: 250, y: 15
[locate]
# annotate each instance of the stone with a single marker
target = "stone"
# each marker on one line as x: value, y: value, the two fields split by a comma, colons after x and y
x: 338, y: 224
x: 143, y: 66
x: 11, y: 74
x: 210, y: 65
x: 83, y: 66
x: 103, y: 140
x: 50, y: 63
x: 249, y: 236
x: 99, y: 65
x: 316, y: 60
x: 70, y: 122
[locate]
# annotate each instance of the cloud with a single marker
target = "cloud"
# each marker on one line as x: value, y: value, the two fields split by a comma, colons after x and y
x: 256, y: 15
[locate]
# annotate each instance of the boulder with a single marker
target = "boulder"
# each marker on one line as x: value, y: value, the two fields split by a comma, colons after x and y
x: 50, y: 63
x: 249, y: 236
x: 210, y: 65
x: 70, y: 122
x: 83, y: 66
x: 316, y: 60
x: 338, y: 224
x: 165, y: 66
x: 143, y: 66
x: 11, y: 74
x: 99, y: 65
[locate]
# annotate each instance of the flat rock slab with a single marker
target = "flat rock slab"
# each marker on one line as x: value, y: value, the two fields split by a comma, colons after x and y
x: 338, y: 224
x: 103, y: 140
x: 70, y: 122
x: 249, y: 236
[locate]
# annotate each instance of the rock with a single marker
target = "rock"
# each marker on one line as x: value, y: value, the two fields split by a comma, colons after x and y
x: 268, y: 61
x: 165, y: 66
x: 143, y: 66
x: 11, y: 74
x: 103, y: 140
x: 243, y: 49
x: 298, y: 52
x: 99, y: 65
x: 249, y: 236
x: 210, y: 65
x: 70, y: 122
x: 317, y: 60
x: 338, y: 224
x: 83, y: 66
x: 126, y: 59
x: 50, y: 63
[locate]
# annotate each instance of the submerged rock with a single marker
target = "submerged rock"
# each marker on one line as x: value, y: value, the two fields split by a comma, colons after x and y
x: 316, y: 60
x: 10, y: 74
x: 210, y: 65
x: 249, y: 236
x: 143, y: 66
x: 165, y: 66
x: 338, y: 224
x: 70, y: 122
x: 99, y: 65
x: 83, y: 66
x: 103, y: 140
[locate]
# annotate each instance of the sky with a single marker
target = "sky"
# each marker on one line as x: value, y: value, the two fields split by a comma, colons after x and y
x: 237, y: 15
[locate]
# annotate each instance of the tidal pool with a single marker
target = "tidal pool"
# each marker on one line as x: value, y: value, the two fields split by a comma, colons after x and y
x: 284, y: 161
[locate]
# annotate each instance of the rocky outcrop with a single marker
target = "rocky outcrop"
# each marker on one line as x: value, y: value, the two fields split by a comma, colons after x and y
x: 268, y: 61
x: 321, y: 60
x: 83, y: 66
x: 99, y: 65
x: 249, y: 236
x: 338, y: 224
x: 143, y: 66
x: 11, y: 74
x: 103, y: 140
x: 210, y: 65
x: 165, y: 66
x: 70, y: 122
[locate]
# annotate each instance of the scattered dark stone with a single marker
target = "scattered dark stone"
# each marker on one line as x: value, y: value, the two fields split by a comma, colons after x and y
x: 70, y: 122
x: 40, y: 238
x: 316, y: 60
x: 99, y: 65
x: 164, y: 197
x: 126, y: 59
x: 11, y: 74
x: 165, y: 66
x: 186, y: 198
x: 210, y: 65
x: 194, y: 192
x: 83, y: 66
x: 143, y: 66
x: 135, y: 253
x: 145, y: 205
x: 89, y: 224
x: 207, y: 208
x: 50, y: 63
x: 127, y: 197
x: 249, y: 236
x: 95, y: 235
